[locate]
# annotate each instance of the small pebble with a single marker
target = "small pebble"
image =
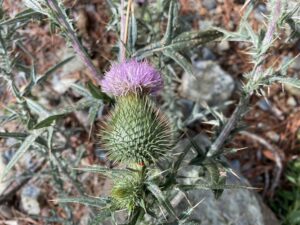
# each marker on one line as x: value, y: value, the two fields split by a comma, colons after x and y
x: 223, y: 46
x: 292, y: 101
x: 29, y: 200
x: 273, y: 136
x: 264, y: 105
x: 260, y: 12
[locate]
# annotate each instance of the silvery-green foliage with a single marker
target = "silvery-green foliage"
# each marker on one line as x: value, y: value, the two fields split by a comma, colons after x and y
x: 144, y: 188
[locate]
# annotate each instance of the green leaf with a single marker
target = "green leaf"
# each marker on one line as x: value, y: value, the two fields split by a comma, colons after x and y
x: 97, y: 93
x: 294, y: 217
x: 7, y: 118
x: 48, y: 121
x: 29, y: 140
x: 182, y: 42
x: 192, y: 39
x: 93, y: 111
x: 184, y: 216
x: 81, y: 90
x: 100, y: 217
x: 13, y: 135
x: 103, y: 170
x: 22, y: 136
x: 36, y: 108
x: 132, y: 37
x: 80, y: 105
x: 22, y: 17
x: 172, y: 22
x: 286, y: 80
x: 189, y: 187
x: 95, y: 202
x: 53, y: 69
x: 158, y: 194
x: 181, y: 60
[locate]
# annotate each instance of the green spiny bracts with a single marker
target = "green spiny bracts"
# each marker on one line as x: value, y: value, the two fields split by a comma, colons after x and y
x: 127, y: 191
x: 136, y: 132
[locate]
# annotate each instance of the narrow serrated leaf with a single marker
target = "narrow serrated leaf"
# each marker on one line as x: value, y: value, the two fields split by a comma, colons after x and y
x: 295, y: 82
x: 180, y: 59
x: 158, y: 194
x: 47, y: 121
x: 95, y: 202
x: 103, y: 170
x: 29, y: 140
x: 22, y: 17
x: 97, y: 93
x: 53, y: 69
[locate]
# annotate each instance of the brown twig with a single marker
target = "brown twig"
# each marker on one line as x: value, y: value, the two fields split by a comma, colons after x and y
x: 275, y: 150
x: 122, y: 32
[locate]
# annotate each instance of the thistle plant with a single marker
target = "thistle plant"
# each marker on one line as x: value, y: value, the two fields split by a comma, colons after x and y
x: 135, y: 133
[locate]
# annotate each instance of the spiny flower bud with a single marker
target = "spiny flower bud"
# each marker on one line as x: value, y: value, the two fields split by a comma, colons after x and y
x: 136, y: 132
x: 131, y: 77
x: 127, y: 191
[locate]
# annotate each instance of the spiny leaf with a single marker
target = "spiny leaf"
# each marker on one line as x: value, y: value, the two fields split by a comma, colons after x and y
x: 157, y: 193
x: 97, y: 93
x: 187, y: 213
x: 21, y: 136
x: 95, y: 202
x: 36, y: 108
x: 103, y: 215
x: 48, y: 121
x: 181, y: 60
x: 172, y: 21
x: 24, y: 16
x: 29, y: 140
x: 53, y: 69
x: 286, y: 80
x: 103, y: 170
x: 182, y: 42
x: 188, y: 187
x: 132, y: 36
x: 7, y: 118
x: 93, y: 111
x: 192, y: 39
x: 80, y: 105
x: 81, y: 90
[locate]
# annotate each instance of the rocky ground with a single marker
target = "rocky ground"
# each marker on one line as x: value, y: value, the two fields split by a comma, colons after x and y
x: 272, y: 136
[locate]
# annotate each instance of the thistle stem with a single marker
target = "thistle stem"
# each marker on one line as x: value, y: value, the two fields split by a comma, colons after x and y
x: 122, y: 32
x: 237, y: 115
x: 78, y: 48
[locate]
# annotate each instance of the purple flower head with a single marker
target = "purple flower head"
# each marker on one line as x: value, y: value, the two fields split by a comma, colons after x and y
x: 131, y: 77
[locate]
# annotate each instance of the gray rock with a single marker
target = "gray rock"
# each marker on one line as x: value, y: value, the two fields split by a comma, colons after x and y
x: 29, y: 200
x: 291, y: 101
x: 205, y: 24
x: 207, y: 54
x: 209, y: 4
x: 260, y: 12
x: 223, y: 46
x: 3, y: 184
x: 209, y: 84
x: 235, y: 206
